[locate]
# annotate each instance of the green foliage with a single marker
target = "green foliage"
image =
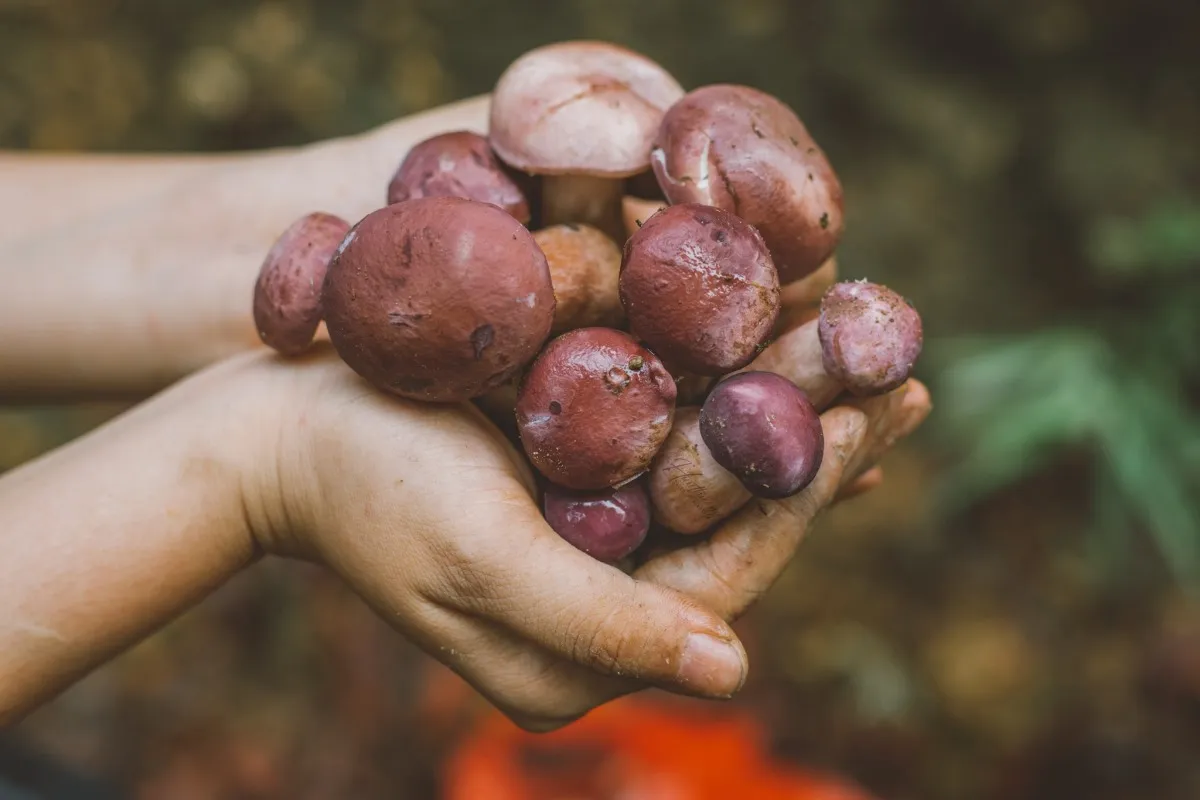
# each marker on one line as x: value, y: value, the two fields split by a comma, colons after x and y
x: 1118, y: 383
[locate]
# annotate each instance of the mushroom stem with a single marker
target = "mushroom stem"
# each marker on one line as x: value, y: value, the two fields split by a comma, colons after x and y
x: 635, y: 211
x: 583, y: 199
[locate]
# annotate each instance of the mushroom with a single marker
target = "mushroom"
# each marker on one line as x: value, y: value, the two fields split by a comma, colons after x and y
x: 438, y: 299
x: 287, y: 294
x: 765, y: 431
x: 699, y: 287
x: 870, y: 337
x: 745, y: 151
x: 594, y: 408
x: 585, y: 265
x: 457, y: 164
x: 583, y: 115
x: 607, y: 525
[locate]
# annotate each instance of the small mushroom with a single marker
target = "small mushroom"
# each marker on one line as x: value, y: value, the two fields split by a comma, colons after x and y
x: 745, y: 151
x: 583, y: 115
x: 764, y: 430
x: 607, y: 525
x: 870, y: 337
x: 438, y: 299
x: 699, y: 288
x: 287, y: 294
x: 594, y: 408
x: 584, y: 268
x: 457, y: 164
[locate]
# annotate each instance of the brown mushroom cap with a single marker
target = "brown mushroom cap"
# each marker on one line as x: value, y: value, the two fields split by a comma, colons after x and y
x: 870, y: 337
x: 584, y: 268
x: 438, y: 299
x: 745, y: 151
x: 571, y: 108
x: 457, y: 164
x: 699, y: 287
x: 594, y: 408
x: 287, y: 294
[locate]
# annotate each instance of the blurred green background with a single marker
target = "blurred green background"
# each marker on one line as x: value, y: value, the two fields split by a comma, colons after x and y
x: 1012, y: 616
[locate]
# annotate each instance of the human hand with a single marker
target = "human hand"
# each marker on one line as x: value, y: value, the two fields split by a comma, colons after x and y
x: 429, y: 513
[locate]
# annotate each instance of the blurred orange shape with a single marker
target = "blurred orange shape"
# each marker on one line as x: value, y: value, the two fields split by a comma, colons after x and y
x: 632, y: 750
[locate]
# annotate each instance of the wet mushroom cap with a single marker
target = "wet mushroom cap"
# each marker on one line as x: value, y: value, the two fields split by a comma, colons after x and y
x: 699, y: 287
x: 743, y: 150
x: 870, y: 337
x: 580, y: 108
x: 438, y: 299
x: 764, y: 430
x: 607, y: 525
x: 594, y: 408
x: 287, y: 294
x: 457, y: 164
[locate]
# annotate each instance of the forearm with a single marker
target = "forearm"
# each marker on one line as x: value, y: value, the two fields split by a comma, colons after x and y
x: 123, y: 275
x: 112, y: 536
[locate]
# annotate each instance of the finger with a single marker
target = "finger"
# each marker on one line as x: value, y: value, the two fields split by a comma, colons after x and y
x: 895, y: 416
x: 511, y: 568
x: 871, y: 479
x: 745, y: 555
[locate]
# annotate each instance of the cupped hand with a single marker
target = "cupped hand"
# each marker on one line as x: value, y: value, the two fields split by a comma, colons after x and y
x: 430, y: 515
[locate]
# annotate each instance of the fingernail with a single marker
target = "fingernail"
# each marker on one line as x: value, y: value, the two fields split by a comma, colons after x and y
x: 712, y: 667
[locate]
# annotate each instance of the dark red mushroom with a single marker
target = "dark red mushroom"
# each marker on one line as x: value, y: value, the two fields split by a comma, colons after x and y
x: 607, y: 525
x: 594, y: 408
x: 457, y: 164
x: 764, y: 430
x: 438, y: 299
x: 699, y: 288
x: 287, y: 294
x: 745, y: 151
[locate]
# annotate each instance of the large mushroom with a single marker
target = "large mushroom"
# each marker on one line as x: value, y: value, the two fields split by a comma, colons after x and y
x: 699, y: 287
x: 583, y: 115
x: 457, y: 164
x: 438, y: 298
x: 745, y: 151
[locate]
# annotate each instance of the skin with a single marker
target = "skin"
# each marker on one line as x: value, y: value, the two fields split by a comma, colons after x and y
x: 256, y: 456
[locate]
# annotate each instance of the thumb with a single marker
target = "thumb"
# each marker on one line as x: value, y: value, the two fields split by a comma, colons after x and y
x: 595, y: 615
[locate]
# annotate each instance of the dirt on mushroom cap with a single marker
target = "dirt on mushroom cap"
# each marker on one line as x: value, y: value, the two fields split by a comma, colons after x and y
x: 438, y: 299
x: 745, y: 151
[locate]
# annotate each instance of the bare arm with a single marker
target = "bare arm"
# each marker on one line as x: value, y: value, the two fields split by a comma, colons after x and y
x: 122, y: 274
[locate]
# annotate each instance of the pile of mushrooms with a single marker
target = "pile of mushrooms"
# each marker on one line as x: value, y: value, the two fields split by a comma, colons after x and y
x: 635, y: 281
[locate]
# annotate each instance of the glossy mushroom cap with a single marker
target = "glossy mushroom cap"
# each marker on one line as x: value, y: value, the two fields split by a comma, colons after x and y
x: 438, y: 299
x: 457, y: 164
x: 745, y: 151
x: 607, y: 525
x: 594, y: 408
x: 870, y: 337
x: 287, y: 294
x: 699, y: 288
x: 574, y: 108
x: 764, y: 430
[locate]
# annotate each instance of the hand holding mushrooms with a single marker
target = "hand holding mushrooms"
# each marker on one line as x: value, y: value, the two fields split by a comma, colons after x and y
x: 631, y: 344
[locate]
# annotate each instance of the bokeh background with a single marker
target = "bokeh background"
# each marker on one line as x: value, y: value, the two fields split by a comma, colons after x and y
x: 1012, y: 615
